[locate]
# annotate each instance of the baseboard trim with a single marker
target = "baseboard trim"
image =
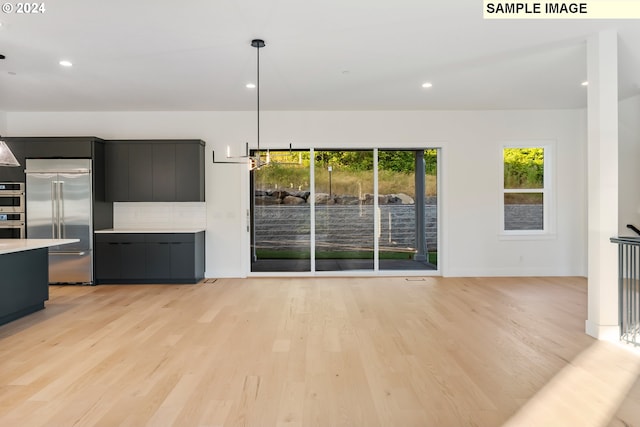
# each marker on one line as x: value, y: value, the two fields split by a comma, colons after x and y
x: 602, y: 332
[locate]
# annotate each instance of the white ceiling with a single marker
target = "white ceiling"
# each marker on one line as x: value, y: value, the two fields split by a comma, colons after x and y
x: 320, y: 55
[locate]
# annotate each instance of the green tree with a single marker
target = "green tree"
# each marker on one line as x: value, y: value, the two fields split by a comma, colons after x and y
x: 523, y: 167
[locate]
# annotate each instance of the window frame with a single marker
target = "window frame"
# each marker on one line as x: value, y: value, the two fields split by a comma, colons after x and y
x: 547, y: 191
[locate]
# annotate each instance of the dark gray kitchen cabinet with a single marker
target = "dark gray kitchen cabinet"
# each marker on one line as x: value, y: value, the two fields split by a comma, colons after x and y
x: 117, y: 174
x: 132, y: 257
x: 189, y: 160
x: 175, y: 255
x: 60, y: 147
x: 158, y: 259
x: 181, y: 256
x: 149, y: 257
x: 155, y: 171
x: 140, y: 172
x: 120, y: 256
x: 163, y: 168
x: 109, y: 255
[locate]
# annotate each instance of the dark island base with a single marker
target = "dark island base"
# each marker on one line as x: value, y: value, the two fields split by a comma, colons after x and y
x: 24, y: 283
x: 21, y: 313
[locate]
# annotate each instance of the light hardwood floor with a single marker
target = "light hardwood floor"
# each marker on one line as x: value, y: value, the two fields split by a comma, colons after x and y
x: 317, y: 352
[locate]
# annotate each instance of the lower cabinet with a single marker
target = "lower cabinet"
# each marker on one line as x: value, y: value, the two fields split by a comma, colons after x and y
x: 149, y: 257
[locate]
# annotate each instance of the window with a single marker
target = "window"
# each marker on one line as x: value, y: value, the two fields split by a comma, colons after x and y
x: 526, y: 192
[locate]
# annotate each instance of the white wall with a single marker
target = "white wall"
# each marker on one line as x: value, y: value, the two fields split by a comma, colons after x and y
x: 471, y: 142
x: 629, y: 164
x: 3, y: 123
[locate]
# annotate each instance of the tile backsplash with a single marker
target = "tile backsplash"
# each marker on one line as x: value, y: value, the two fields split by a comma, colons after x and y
x: 155, y: 215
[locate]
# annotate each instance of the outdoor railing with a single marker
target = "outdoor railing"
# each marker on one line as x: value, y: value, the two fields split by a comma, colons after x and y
x: 629, y: 288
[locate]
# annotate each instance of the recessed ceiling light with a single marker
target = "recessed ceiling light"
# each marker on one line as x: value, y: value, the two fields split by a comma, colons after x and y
x: 426, y: 85
x: 250, y: 86
x: 65, y: 63
x: 585, y: 83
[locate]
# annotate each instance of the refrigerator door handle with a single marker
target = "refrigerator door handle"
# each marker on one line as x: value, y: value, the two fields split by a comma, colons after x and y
x: 59, y: 216
x: 53, y: 209
x: 62, y: 233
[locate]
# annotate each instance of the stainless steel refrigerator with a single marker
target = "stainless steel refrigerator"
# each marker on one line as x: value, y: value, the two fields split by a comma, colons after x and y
x: 59, y: 206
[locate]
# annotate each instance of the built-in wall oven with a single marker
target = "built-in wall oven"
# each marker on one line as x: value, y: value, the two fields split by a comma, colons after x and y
x: 12, y: 210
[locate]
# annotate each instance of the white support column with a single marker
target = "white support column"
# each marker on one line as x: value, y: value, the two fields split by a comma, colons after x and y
x: 602, y: 73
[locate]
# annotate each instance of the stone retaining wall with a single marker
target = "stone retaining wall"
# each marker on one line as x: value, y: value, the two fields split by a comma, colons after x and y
x: 350, y: 227
x: 523, y: 217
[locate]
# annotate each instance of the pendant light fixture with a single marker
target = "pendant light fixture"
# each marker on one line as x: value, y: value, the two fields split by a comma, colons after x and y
x: 6, y: 156
x: 255, y: 161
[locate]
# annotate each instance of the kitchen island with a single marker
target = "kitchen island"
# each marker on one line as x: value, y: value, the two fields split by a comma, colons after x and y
x: 24, y: 275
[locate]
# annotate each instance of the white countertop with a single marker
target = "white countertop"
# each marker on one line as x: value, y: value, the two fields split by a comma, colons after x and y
x: 8, y: 246
x: 150, y: 230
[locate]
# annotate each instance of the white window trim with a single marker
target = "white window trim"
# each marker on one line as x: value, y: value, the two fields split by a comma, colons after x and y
x: 548, y: 193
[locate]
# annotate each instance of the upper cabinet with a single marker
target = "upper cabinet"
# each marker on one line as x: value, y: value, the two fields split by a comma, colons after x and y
x: 132, y: 170
x: 155, y: 170
x: 61, y: 147
x: 57, y: 147
x: 87, y: 147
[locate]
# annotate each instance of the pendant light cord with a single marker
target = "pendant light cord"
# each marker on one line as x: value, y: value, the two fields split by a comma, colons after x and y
x: 258, y: 43
x: 258, y: 100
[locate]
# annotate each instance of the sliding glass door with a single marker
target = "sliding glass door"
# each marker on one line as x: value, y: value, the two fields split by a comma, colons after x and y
x: 281, y: 213
x: 407, y: 197
x: 345, y: 210
x: 344, y: 227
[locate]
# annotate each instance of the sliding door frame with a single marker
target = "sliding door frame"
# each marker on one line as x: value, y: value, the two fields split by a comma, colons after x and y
x: 376, y: 258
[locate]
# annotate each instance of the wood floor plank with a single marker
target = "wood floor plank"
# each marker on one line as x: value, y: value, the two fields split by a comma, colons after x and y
x: 289, y: 352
